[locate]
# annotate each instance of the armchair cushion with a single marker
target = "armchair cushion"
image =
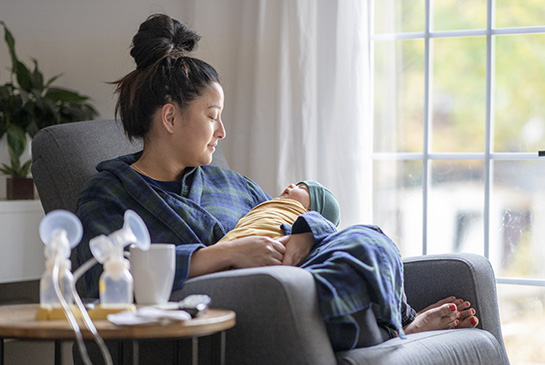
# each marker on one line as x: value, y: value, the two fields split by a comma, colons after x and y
x: 460, y: 346
x: 278, y: 320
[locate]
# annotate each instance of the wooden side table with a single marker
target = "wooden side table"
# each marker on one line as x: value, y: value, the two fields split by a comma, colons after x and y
x: 18, y: 321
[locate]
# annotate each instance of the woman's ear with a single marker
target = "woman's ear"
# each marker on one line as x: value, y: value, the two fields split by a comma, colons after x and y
x: 168, y: 113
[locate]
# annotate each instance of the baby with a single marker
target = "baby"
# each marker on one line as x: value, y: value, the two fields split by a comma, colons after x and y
x: 267, y: 218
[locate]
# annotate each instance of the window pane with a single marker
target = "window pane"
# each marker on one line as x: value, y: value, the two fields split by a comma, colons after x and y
x: 523, y: 322
x: 519, y: 110
x: 459, y: 14
x: 455, y: 207
x: 517, y: 13
x: 395, y: 16
x: 459, y: 95
x: 517, y: 211
x: 399, y: 96
x: 397, y: 203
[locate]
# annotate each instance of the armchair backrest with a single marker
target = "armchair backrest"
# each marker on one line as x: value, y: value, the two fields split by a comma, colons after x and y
x: 64, y: 157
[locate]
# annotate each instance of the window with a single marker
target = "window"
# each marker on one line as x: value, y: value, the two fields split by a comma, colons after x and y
x: 459, y: 116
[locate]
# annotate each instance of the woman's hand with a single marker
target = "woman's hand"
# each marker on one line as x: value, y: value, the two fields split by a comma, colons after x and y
x: 297, y: 248
x: 255, y: 251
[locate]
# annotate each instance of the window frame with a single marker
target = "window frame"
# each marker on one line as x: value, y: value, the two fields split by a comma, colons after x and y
x: 488, y: 156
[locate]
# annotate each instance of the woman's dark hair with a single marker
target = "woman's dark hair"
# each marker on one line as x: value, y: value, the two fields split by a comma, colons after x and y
x: 164, y: 73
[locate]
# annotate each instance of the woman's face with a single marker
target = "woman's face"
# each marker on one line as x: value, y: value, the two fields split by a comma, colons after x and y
x: 200, y: 127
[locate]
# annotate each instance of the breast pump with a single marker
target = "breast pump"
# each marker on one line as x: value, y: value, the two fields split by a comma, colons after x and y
x: 116, y: 282
x: 60, y: 231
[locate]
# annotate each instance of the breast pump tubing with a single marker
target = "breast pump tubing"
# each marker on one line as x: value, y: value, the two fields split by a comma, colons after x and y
x: 54, y: 293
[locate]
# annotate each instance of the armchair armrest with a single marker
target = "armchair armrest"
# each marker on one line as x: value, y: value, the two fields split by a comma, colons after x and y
x: 467, y: 276
x: 278, y: 319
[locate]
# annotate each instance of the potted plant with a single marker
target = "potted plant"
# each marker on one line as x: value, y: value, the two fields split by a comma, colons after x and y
x: 28, y: 103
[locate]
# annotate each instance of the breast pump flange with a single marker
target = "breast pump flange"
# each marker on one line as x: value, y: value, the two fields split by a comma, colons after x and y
x: 60, y: 231
x: 116, y: 285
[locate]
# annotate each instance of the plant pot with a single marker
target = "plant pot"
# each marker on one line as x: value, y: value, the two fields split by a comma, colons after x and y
x: 19, y: 188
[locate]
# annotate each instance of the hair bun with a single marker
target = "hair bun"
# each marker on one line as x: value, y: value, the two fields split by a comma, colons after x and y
x: 160, y: 36
x: 185, y: 39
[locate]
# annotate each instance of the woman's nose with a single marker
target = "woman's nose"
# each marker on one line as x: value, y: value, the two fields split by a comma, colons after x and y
x: 220, y: 131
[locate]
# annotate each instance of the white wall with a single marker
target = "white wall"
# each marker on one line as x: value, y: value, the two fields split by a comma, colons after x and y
x: 88, y: 42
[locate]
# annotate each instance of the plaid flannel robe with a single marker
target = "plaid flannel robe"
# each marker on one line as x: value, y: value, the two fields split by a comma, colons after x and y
x: 354, y: 269
x: 210, y: 203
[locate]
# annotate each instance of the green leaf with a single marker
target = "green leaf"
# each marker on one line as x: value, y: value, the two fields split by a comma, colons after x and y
x: 25, y: 169
x: 65, y: 95
x: 16, y: 171
x: 8, y: 170
x: 16, y: 141
x: 51, y: 80
x: 32, y: 128
x: 37, y: 77
x: 10, y: 41
x: 24, y: 77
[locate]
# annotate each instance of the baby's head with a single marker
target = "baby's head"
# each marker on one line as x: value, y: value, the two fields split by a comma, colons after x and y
x: 314, y: 196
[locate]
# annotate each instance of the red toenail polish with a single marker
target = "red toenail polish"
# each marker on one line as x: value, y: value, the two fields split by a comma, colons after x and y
x: 473, y: 321
x: 452, y: 307
x: 472, y: 311
x: 461, y: 301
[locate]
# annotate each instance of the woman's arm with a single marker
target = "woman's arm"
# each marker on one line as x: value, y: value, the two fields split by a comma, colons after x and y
x: 244, y: 252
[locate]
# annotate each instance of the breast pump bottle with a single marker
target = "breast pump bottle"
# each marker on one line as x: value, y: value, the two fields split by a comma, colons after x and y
x: 116, y: 282
x: 48, y: 296
x: 60, y: 231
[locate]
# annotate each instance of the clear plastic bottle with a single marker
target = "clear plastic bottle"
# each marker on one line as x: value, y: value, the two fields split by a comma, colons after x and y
x: 48, y: 296
x: 116, y: 283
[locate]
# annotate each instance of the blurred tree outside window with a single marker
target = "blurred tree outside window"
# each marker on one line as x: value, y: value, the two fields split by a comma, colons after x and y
x: 459, y: 116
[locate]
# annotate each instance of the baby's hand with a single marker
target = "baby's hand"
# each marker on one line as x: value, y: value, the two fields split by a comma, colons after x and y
x: 297, y: 248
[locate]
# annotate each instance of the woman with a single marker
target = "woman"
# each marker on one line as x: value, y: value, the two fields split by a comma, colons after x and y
x: 174, y: 103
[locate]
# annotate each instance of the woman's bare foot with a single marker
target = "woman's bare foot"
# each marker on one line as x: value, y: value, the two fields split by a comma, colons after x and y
x: 467, y: 314
x: 447, y: 313
x: 435, y: 318
x: 467, y: 317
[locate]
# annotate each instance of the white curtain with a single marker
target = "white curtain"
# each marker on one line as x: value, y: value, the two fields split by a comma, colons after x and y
x: 296, y: 78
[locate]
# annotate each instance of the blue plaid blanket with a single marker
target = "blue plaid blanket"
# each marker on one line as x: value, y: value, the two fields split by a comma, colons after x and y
x: 354, y: 269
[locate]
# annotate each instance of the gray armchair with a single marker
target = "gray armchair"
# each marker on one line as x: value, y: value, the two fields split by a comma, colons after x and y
x: 278, y: 319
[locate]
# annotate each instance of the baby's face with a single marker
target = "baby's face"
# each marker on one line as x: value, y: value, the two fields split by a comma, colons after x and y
x: 299, y: 193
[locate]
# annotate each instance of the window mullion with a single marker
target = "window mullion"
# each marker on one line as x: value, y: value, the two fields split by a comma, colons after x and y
x: 427, y: 125
x: 489, y: 126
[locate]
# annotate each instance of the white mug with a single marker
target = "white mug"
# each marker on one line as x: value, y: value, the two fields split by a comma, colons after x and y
x: 153, y: 272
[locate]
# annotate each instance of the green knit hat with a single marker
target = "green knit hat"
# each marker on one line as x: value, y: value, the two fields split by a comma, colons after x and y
x: 323, y: 201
